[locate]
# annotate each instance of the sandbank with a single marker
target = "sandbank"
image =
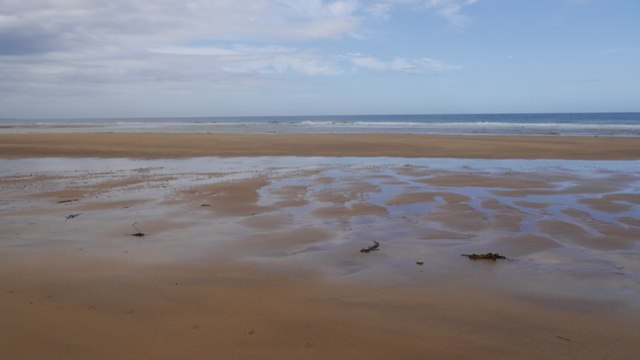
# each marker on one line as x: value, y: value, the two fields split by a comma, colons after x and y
x: 149, y: 145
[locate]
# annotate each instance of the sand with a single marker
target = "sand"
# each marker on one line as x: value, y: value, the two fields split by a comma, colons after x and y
x: 188, y: 145
x: 244, y: 259
x: 83, y: 309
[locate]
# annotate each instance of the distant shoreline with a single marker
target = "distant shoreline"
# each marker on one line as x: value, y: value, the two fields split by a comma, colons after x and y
x: 622, y: 124
x: 205, y: 117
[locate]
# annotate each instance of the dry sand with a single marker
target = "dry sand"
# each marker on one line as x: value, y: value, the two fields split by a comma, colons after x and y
x: 269, y: 266
x: 75, y: 307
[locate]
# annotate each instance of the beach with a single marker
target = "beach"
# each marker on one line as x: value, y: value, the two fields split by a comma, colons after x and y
x: 329, y: 179
x: 165, y: 245
x: 174, y: 145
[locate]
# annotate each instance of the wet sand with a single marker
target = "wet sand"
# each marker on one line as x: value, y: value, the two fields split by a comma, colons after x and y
x: 259, y: 258
x: 159, y: 146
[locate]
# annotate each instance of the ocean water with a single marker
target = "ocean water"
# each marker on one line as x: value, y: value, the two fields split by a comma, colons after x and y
x: 572, y: 124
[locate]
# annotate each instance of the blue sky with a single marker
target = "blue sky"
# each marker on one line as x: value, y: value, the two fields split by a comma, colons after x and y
x: 148, y: 58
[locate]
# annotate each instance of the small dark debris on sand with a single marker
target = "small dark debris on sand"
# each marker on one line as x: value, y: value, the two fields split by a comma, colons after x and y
x: 138, y: 233
x: 72, y: 216
x: 205, y: 205
x: 487, y: 256
x: 67, y: 201
x: 373, y: 247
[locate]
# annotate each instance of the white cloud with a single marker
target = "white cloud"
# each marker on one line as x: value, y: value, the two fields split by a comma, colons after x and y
x: 450, y: 10
x: 380, y: 9
x: 368, y: 62
x: 420, y: 65
x: 256, y: 60
x: 117, y: 22
x: 437, y: 65
x: 85, y: 46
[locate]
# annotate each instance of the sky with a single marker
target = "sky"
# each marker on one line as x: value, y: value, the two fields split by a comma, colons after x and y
x: 167, y: 58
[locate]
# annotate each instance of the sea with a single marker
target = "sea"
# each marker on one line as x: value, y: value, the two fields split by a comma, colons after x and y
x: 567, y: 124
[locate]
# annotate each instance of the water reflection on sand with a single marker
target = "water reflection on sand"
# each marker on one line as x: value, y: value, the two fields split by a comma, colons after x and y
x: 570, y: 227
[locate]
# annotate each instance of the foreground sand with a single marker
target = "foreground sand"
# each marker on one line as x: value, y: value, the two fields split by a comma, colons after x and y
x: 187, y: 145
x: 248, y: 260
x: 67, y: 306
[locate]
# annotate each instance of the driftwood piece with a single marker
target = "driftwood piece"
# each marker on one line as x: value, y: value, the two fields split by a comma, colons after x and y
x: 373, y: 247
x: 487, y: 256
